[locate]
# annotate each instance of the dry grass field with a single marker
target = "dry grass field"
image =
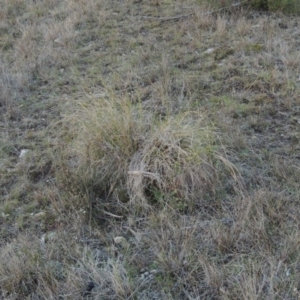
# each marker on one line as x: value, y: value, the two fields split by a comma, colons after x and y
x: 149, y: 150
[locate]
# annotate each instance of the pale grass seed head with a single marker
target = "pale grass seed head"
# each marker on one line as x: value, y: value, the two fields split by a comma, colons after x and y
x: 203, y: 19
x: 243, y: 26
x: 221, y: 25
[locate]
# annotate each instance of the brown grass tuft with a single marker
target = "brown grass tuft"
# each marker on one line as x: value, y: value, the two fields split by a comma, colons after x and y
x: 119, y: 145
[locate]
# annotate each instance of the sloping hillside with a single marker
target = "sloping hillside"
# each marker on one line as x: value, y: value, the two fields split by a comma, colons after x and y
x: 148, y: 150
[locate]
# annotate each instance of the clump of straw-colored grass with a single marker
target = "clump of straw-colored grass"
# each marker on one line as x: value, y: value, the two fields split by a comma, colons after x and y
x: 118, y: 145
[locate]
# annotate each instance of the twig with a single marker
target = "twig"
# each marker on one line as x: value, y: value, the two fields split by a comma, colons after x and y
x: 168, y: 18
x: 112, y: 215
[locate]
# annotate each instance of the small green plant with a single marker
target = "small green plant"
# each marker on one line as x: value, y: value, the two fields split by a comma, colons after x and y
x: 288, y: 6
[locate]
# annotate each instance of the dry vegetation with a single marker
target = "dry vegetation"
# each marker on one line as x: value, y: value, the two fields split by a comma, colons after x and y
x: 160, y: 150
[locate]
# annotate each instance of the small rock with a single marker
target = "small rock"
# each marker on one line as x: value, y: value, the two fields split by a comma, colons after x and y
x: 4, y: 215
x: 58, y: 41
x: 47, y: 237
x: 209, y: 50
x: 39, y: 215
x: 147, y: 276
x: 119, y: 240
x: 23, y: 153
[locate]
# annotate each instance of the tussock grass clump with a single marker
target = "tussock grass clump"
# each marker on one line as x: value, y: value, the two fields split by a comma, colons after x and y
x: 24, y: 269
x: 120, y: 146
x: 106, y: 132
x: 109, y: 276
x: 174, y: 160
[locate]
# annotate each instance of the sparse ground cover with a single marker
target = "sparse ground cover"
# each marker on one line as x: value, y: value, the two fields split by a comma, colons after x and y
x: 160, y: 151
